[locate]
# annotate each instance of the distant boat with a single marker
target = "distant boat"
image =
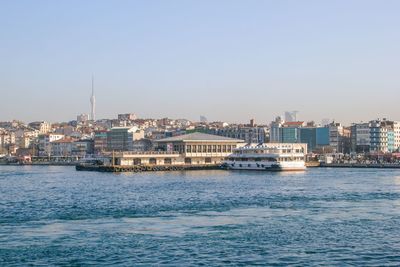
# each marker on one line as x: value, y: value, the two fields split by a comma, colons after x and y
x: 268, y: 157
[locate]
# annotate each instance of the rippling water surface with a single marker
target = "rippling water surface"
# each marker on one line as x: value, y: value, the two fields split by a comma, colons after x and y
x: 57, y: 216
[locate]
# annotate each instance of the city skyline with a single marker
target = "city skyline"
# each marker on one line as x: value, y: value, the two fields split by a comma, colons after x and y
x: 228, y: 61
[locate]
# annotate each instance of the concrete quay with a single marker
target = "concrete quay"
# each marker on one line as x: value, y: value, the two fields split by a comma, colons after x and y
x: 361, y: 165
x: 144, y: 168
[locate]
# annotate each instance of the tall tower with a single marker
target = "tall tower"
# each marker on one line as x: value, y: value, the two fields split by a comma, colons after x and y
x: 92, y: 103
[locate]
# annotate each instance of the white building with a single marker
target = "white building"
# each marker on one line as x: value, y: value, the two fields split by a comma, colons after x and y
x: 396, y: 129
x: 379, y: 136
x: 42, y: 126
x: 127, y: 117
x: 45, y: 141
x: 7, y: 139
x: 82, y: 118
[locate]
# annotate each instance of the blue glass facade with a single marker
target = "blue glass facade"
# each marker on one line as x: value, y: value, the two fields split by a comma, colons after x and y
x: 309, y: 137
x: 322, y: 136
x: 289, y: 135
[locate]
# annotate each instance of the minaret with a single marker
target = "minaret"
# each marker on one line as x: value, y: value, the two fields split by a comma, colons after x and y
x: 92, y: 103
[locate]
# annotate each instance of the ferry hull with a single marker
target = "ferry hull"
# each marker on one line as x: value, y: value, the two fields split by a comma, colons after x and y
x: 265, y: 166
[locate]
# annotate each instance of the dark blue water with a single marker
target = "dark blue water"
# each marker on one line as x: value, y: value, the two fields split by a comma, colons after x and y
x: 57, y: 216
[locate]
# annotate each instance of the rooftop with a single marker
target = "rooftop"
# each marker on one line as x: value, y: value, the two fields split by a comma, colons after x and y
x: 193, y: 137
x: 294, y: 123
x: 65, y: 140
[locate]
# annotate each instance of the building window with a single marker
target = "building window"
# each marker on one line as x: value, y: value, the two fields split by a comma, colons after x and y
x: 209, y: 150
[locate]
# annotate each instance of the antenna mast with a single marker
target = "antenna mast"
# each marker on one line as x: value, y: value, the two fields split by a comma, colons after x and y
x: 93, y: 103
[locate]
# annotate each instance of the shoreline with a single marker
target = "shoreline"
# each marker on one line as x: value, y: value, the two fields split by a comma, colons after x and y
x: 195, y: 167
x: 360, y: 165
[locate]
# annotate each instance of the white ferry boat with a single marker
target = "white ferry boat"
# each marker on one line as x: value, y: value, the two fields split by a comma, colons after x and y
x: 268, y: 157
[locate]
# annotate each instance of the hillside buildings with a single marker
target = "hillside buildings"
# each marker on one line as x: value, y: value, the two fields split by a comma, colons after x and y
x: 87, y: 138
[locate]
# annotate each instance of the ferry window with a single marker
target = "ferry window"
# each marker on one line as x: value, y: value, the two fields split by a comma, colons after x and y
x: 248, y: 165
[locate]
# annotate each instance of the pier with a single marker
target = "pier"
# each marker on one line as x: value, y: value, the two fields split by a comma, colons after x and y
x: 361, y: 165
x: 146, y: 168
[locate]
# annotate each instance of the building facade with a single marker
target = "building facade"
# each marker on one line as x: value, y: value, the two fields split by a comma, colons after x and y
x: 190, y: 149
x: 44, y: 143
x: 100, y: 141
x: 122, y: 138
x: 360, y: 137
x: 249, y: 134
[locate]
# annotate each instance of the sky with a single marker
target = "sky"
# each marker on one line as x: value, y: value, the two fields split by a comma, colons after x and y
x: 227, y: 60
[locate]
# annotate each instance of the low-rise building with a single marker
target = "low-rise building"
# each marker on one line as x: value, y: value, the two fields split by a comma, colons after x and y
x: 82, y: 118
x: 190, y: 149
x: 42, y: 126
x: 82, y: 148
x: 62, y: 147
x: 127, y: 117
x: 44, y: 143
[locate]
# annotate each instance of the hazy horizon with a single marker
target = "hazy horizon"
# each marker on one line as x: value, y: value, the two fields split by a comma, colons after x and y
x: 227, y: 60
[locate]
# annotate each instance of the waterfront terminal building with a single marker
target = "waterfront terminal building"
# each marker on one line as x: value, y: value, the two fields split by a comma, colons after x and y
x: 190, y: 149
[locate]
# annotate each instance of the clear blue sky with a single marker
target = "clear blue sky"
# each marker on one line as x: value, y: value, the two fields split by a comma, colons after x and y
x: 228, y: 60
